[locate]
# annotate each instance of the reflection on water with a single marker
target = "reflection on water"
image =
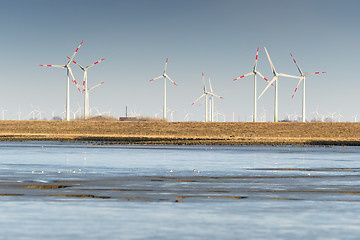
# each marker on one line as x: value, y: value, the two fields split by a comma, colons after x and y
x: 240, y: 192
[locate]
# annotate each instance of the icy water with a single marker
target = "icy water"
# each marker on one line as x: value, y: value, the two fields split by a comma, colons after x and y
x: 51, y: 190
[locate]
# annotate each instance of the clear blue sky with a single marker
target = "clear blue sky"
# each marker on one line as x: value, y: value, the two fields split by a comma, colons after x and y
x: 218, y: 38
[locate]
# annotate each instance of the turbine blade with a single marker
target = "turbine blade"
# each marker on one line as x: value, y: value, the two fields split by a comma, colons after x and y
x: 296, y: 64
x: 75, y: 52
x: 203, y: 82
x: 84, y: 80
x: 213, y: 94
x: 270, y: 83
x: 263, y: 77
x: 271, y: 64
x: 289, y: 76
x: 95, y: 86
x: 211, y: 90
x: 248, y: 74
x: 314, y: 73
x: 297, y: 87
x: 95, y: 63
x: 77, y: 85
x: 198, y: 98
x: 73, y: 79
x: 256, y: 58
x: 60, y: 66
x: 166, y: 65
x: 166, y: 76
x: 156, y: 78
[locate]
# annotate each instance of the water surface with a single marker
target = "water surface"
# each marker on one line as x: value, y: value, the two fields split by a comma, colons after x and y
x: 240, y: 192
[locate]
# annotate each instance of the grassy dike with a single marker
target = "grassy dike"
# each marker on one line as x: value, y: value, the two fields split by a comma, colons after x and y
x: 183, y: 133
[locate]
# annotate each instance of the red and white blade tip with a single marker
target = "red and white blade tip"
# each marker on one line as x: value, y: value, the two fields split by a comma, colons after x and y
x: 235, y: 79
x: 167, y: 60
x: 102, y: 83
x: 175, y: 84
x: 79, y: 46
x: 202, y: 74
x: 151, y: 80
x: 45, y: 65
x: 99, y: 61
x: 221, y: 97
x: 294, y: 93
x: 192, y: 104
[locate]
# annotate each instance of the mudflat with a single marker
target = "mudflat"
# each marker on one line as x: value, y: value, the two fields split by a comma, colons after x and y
x: 183, y: 133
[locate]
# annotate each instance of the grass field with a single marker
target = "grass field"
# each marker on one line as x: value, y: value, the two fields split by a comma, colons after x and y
x: 183, y: 133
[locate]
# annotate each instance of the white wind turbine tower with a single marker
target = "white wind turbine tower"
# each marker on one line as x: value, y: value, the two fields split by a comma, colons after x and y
x: 275, y: 79
x: 165, y: 76
x: 85, y: 87
x: 68, y: 70
x: 205, y: 93
x: 3, y: 113
x: 254, y: 72
x: 302, y: 78
x: 212, y: 95
x: 19, y: 114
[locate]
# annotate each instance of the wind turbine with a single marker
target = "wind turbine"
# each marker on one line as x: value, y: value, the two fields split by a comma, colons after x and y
x: 212, y: 95
x: 275, y: 79
x: 86, y: 91
x: 3, y: 113
x: 205, y: 94
x: 39, y: 113
x: 254, y: 72
x: 302, y: 78
x: 165, y: 76
x: 68, y: 70
x: 32, y: 112
x: 187, y: 114
x: 19, y: 114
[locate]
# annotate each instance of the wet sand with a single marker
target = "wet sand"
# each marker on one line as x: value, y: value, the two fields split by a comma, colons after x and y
x: 183, y: 133
x: 323, y: 184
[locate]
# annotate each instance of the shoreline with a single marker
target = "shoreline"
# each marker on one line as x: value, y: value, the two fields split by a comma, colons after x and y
x: 183, y: 133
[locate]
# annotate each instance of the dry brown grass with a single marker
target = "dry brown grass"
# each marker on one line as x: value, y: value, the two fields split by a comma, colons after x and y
x: 183, y: 132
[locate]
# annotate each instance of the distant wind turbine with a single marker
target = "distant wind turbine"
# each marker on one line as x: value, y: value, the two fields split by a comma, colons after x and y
x: 187, y: 114
x: 19, y: 114
x: 165, y: 76
x: 32, y: 112
x: 212, y: 95
x: 3, y: 113
x: 68, y: 70
x: 254, y: 72
x: 275, y: 79
x: 205, y: 94
x: 302, y: 78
